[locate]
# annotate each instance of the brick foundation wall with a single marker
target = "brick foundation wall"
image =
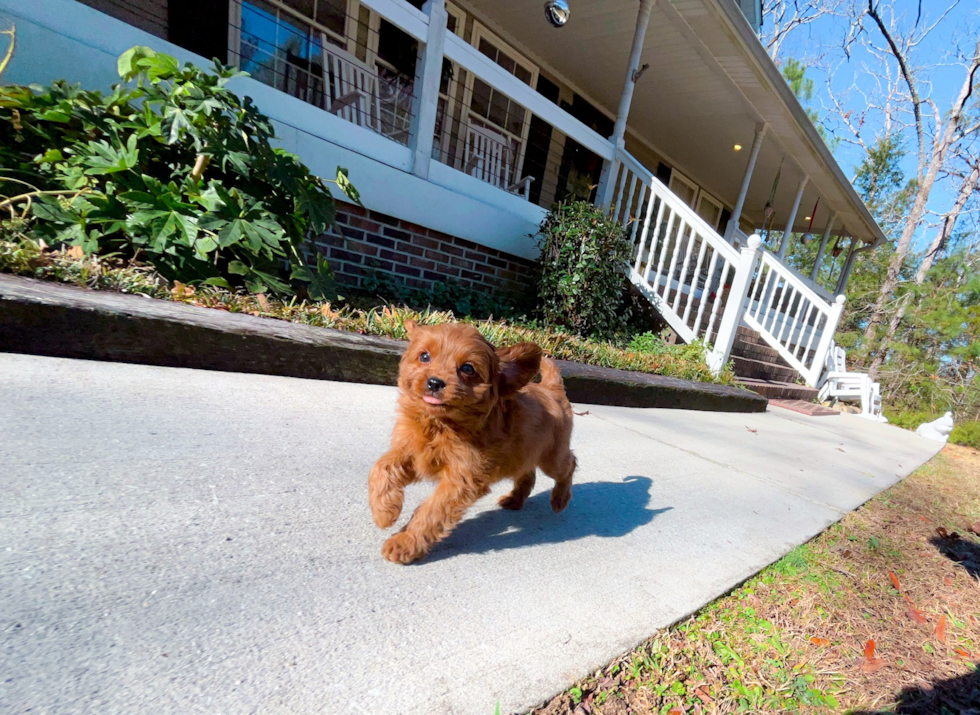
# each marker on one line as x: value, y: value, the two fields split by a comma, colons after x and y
x: 418, y: 257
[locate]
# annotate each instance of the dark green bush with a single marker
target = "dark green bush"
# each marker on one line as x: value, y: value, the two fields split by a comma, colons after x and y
x: 910, y: 419
x: 582, y: 286
x: 461, y: 300
x: 171, y: 168
x: 966, y: 433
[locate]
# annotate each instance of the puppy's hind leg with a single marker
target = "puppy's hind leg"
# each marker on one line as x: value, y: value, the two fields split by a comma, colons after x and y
x: 519, y: 494
x: 560, y: 465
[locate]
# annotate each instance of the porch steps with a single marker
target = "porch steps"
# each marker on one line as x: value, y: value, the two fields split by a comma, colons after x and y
x: 761, y: 369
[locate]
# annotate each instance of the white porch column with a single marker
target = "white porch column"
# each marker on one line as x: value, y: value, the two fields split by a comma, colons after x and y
x: 845, y: 273
x: 823, y: 246
x: 760, y: 133
x: 426, y: 91
x: 608, y: 179
x: 784, y: 244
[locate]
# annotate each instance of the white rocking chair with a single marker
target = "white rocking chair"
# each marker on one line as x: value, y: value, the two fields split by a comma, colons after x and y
x: 837, y: 383
x: 488, y: 156
x: 353, y: 90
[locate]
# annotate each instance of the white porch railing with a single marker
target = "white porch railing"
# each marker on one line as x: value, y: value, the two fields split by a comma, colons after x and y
x: 792, y: 318
x: 700, y: 284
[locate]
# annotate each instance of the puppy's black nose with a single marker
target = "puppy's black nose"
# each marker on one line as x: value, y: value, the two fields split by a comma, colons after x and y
x: 435, y: 384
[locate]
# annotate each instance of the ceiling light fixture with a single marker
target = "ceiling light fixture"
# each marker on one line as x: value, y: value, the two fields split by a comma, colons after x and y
x: 557, y: 12
x: 738, y: 147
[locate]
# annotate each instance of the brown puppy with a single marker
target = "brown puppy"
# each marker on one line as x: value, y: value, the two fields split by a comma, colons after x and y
x: 469, y: 416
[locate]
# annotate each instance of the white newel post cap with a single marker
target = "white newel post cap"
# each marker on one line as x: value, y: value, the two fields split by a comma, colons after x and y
x: 840, y: 299
x: 754, y: 241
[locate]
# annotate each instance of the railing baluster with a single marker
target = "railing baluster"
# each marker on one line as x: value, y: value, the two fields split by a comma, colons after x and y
x: 705, y: 294
x: 806, y: 322
x: 718, y: 297
x: 624, y: 174
x: 788, y: 300
x: 764, y: 294
x: 656, y: 233
x: 800, y: 302
x: 694, y: 282
x: 679, y: 238
x: 645, y: 234
x: 663, y: 253
x: 693, y: 236
x: 813, y: 332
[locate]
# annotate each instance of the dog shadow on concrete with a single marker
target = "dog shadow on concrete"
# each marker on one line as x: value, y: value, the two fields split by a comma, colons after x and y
x: 606, y: 509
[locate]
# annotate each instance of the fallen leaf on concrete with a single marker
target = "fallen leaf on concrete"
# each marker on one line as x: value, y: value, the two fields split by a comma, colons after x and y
x: 753, y: 431
x: 581, y: 414
x: 840, y: 450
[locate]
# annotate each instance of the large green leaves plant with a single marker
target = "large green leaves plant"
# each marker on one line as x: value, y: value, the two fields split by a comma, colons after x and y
x: 583, y: 256
x: 171, y: 167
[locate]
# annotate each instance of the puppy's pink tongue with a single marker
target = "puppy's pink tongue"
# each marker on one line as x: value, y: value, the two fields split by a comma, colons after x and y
x: 432, y: 399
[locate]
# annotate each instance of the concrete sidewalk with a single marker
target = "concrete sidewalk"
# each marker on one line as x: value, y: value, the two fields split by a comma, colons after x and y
x: 178, y: 541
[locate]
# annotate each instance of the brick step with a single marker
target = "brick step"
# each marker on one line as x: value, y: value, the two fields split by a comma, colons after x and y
x: 762, y: 370
x: 756, y: 352
x: 776, y: 390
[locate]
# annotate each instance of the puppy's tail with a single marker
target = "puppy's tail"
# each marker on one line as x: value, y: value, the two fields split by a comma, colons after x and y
x: 550, y: 376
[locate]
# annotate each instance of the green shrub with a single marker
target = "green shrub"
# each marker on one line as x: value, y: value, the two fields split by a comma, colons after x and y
x: 910, y: 419
x: 175, y: 170
x: 966, y: 433
x: 582, y: 286
x: 449, y: 295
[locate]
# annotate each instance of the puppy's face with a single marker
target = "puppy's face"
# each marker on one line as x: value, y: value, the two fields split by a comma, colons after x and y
x: 452, y: 368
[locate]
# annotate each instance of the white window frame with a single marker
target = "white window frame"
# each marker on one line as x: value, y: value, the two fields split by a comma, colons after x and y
x: 704, y: 196
x: 480, y: 31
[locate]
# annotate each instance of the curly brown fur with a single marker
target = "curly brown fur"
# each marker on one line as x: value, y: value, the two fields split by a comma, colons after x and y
x: 469, y: 416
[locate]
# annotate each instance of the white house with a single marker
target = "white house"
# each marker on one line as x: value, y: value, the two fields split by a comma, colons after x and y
x: 462, y: 121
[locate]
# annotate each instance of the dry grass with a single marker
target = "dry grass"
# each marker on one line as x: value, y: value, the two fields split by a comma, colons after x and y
x: 880, y: 613
x: 375, y: 317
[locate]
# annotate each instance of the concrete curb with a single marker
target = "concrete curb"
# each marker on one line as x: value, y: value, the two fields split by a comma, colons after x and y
x: 43, y: 318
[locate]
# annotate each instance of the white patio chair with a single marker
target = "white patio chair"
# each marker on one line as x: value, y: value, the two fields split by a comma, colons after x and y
x: 354, y: 92
x: 488, y: 156
x: 840, y: 384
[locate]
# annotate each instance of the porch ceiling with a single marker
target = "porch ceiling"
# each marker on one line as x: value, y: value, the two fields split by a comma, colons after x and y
x: 710, y: 82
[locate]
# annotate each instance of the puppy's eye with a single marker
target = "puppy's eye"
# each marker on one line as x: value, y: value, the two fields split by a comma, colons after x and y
x: 425, y: 357
x: 467, y: 369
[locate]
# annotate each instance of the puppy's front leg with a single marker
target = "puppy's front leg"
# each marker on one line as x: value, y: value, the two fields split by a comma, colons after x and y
x: 433, y: 520
x: 386, y: 487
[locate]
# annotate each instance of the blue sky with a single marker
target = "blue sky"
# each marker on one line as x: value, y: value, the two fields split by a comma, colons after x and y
x: 820, y: 44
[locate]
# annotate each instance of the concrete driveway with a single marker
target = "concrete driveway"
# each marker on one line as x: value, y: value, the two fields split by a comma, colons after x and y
x: 179, y: 541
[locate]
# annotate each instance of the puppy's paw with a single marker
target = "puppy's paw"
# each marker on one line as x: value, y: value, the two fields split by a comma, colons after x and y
x: 560, y: 496
x: 402, y: 549
x: 511, y: 501
x: 385, y: 517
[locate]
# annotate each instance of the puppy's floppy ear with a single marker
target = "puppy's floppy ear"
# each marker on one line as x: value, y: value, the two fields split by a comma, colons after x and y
x: 411, y: 327
x: 518, y: 366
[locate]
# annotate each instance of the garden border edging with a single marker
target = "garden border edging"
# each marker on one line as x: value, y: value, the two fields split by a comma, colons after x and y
x: 57, y: 320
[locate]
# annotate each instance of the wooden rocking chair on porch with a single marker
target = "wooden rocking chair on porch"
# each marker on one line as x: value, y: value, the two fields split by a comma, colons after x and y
x: 488, y: 156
